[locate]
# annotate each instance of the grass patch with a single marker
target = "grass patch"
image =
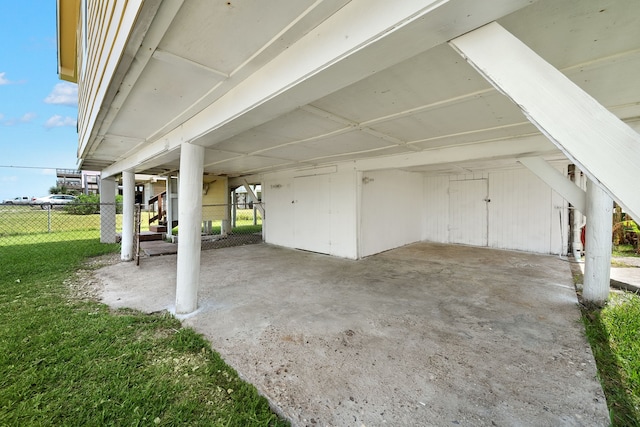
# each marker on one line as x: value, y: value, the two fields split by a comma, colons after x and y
x: 624, y: 251
x: 614, y: 335
x: 30, y: 220
x: 68, y: 361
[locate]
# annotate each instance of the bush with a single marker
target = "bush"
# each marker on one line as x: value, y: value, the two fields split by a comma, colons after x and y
x: 118, y: 204
x: 85, y: 204
x: 89, y: 204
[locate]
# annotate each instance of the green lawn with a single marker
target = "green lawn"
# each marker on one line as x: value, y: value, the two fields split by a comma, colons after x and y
x: 614, y: 335
x: 66, y: 360
x: 30, y: 220
x: 27, y: 220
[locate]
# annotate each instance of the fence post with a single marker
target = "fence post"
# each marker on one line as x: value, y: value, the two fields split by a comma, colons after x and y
x: 233, y: 212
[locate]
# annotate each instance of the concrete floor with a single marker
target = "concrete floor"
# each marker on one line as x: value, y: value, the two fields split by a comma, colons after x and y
x: 426, y: 334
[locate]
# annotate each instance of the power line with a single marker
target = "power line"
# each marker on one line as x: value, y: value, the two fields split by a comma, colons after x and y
x: 32, y: 167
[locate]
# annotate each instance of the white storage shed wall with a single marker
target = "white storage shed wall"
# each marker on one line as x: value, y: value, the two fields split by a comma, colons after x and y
x: 391, y: 210
x: 339, y: 211
x: 314, y: 209
x: 522, y: 212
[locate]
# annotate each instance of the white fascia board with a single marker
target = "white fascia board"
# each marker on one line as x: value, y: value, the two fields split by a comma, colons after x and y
x: 593, y: 138
x: 492, y: 150
x: 554, y: 179
x: 362, y: 38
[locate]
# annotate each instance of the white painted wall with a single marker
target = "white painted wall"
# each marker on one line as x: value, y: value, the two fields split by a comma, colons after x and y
x: 391, y: 210
x: 524, y: 213
x: 468, y: 211
x: 436, y: 206
x: 357, y: 214
x: 334, y: 225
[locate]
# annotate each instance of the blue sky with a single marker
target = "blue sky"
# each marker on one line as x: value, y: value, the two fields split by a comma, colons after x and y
x: 38, y: 111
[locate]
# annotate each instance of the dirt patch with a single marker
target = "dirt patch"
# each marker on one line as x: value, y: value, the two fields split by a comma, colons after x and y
x: 85, y: 284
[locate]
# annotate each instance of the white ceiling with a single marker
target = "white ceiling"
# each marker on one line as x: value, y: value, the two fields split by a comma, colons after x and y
x: 430, y: 100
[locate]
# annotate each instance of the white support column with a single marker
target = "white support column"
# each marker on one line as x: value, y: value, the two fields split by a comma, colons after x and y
x: 597, y: 263
x: 168, y: 206
x: 128, y: 211
x: 108, y: 210
x: 190, y: 214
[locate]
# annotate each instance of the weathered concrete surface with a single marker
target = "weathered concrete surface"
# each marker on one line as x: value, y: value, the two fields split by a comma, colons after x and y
x: 426, y: 334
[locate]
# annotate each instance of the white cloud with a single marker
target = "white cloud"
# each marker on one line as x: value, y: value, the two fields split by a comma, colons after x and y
x: 59, y: 121
x: 10, y: 178
x: 63, y: 94
x: 28, y: 117
x: 3, y: 79
x: 48, y: 172
x: 12, y: 121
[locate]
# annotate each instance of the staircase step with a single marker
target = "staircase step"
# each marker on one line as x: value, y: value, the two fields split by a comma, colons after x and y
x: 158, y: 228
x: 146, y: 236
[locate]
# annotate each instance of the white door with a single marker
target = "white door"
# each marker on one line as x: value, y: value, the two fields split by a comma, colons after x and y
x: 312, y: 213
x: 468, y: 212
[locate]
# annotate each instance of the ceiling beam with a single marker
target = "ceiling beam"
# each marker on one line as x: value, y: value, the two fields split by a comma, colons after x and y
x: 357, y: 41
x: 602, y: 146
x: 492, y: 150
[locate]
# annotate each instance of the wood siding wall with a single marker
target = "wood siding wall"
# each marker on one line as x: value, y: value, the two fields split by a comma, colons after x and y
x: 104, y: 30
x: 523, y: 212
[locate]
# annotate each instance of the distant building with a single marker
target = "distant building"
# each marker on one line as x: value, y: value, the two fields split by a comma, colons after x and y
x: 82, y: 182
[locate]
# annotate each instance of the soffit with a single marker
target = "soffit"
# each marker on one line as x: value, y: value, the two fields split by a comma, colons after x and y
x: 433, y: 99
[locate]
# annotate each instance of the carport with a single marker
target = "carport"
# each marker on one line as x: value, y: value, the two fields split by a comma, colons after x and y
x: 326, y: 97
x: 425, y: 334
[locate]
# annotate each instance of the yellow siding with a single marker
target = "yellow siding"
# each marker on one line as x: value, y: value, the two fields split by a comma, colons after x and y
x: 68, y: 19
x: 214, y: 203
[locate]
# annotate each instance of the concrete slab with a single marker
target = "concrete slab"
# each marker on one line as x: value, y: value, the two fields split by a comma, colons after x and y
x: 426, y: 334
x: 160, y: 247
x: 627, y: 276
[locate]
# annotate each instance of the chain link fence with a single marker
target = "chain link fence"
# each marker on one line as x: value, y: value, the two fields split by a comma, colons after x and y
x: 222, y: 225
x: 32, y: 229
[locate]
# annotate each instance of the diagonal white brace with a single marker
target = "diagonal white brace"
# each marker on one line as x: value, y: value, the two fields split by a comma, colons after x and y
x: 554, y: 179
x: 603, y: 146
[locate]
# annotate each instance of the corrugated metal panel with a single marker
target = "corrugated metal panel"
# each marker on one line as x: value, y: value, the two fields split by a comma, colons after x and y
x: 520, y: 212
x: 436, y: 203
